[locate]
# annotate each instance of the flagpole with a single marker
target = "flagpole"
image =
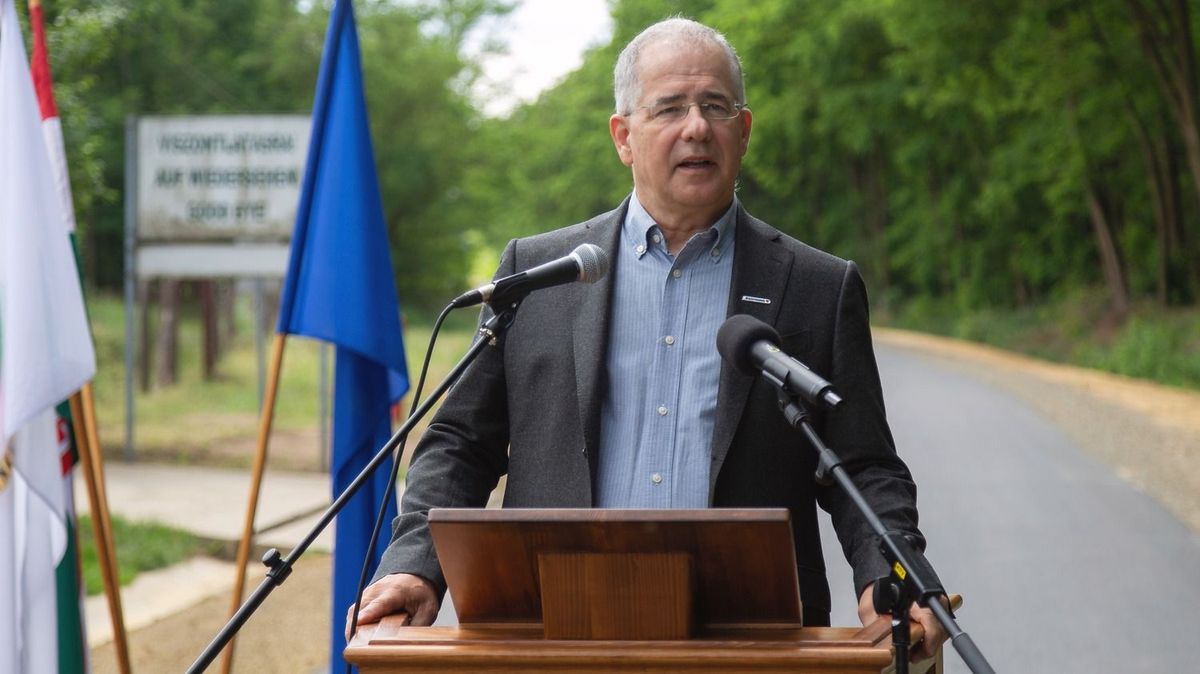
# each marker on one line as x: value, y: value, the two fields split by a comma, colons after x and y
x: 91, y: 427
x: 83, y: 411
x: 266, y: 416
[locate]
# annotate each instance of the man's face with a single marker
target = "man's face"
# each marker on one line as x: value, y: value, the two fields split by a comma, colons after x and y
x: 682, y: 168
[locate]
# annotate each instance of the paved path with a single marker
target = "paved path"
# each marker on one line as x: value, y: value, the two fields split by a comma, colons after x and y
x: 1064, y: 566
x: 208, y: 502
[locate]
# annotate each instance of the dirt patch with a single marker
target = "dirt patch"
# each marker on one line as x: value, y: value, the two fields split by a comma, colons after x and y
x: 289, y: 633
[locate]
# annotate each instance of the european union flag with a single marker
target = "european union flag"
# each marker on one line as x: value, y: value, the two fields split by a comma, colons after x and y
x: 340, y: 288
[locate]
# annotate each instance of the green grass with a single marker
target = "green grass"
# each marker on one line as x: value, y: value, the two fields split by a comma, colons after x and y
x: 1151, y: 342
x: 186, y: 421
x: 140, y: 547
x: 182, y: 423
x: 192, y: 420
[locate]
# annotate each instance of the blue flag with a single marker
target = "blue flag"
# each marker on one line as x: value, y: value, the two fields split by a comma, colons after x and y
x: 340, y: 288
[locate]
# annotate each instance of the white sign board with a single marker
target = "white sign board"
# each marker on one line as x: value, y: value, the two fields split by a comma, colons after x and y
x: 219, y: 178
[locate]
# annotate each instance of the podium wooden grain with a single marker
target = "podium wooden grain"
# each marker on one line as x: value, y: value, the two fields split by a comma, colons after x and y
x: 620, y: 591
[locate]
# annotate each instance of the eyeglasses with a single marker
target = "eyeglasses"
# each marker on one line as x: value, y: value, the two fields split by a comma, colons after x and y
x: 713, y: 110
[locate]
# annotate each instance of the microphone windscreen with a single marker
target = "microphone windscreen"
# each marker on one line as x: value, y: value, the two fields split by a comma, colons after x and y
x: 593, y: 262
x: 735, y: 337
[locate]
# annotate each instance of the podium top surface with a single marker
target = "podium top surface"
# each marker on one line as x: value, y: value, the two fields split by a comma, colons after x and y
x: 578, y: 515
x: 743, y: 560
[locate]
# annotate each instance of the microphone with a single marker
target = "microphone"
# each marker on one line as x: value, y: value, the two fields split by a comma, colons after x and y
x: 587, y: 263
x: 751, y: 347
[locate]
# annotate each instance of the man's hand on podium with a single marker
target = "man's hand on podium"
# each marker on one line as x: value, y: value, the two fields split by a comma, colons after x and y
x: 397, y: 593
x: 935, y: 634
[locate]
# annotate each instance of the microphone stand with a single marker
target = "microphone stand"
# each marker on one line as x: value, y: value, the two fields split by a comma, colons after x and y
x: 912, y: 578
x: 280, y: 568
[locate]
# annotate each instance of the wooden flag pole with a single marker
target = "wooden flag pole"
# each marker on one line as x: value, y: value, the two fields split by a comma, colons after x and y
x: 91, y: 429
x: 83, y: 414
x: 266, y: 416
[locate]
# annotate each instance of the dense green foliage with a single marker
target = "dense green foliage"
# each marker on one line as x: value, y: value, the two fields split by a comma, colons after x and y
x: 990, y: 154
x: 115, y: 58
x: 985, y: 156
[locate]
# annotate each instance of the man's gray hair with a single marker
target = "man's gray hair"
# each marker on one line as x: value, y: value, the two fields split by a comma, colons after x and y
x: 627, y: 88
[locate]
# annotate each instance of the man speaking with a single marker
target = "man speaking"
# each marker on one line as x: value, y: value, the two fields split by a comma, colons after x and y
x: 613, y: 394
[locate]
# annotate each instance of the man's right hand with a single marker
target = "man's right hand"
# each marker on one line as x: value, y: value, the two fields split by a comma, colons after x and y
x: 397, y: 593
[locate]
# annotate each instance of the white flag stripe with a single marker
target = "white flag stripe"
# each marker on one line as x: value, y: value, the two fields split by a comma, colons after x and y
x: 45, y: 349
x: 52, y: 135
x: 41, y: 539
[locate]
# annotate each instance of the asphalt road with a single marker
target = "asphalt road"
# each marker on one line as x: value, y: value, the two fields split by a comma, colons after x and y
x: 1064, y: 567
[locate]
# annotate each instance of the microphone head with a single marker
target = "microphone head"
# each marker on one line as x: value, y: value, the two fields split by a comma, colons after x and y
x: 735, y: 337
x: 592, y: 261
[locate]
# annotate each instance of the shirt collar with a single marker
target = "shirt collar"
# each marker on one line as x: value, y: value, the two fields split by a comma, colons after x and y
x: 639, y: 229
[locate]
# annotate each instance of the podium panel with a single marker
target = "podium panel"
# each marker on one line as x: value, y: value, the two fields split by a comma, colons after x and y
x: 741, y: 564
x: 621, y: 591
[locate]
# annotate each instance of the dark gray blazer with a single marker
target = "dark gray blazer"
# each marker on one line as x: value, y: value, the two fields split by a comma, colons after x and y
x: 531, y: 408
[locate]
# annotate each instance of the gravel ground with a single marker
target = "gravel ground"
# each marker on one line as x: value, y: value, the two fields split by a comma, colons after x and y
x: 1149, y: 434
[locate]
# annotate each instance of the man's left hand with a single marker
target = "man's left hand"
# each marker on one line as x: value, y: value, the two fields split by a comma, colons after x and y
x: 935, y: 634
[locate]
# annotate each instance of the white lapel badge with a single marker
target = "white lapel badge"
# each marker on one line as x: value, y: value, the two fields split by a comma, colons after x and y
x: 756, y: 300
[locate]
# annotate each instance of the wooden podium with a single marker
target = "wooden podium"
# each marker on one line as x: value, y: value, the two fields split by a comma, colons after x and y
x: 578, y: 590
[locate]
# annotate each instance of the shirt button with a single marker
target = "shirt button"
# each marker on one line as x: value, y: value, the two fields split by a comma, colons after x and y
x: 657, y: 238
x: 716, y: 252
x: 662, y: 411
x: 656, y: 478
x: 669, y: 339
x: 640, y: 249
x: 677, y: 273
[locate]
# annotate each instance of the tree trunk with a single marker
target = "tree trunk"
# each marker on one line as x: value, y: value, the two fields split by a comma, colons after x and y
x: 1167, y: 43
x: 1110, y: 260
x: 877, y: 210
x: 145, y: 343
x: 1160, y: 168
x: 1173, y: 246
x: 866, y: 181
x: 168, y: 332
x: 210, y: 347
x: 227, y: 301
x: 1163, y: 198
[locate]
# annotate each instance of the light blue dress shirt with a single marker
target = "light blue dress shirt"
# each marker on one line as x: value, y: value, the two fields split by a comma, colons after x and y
x: 656, y: 421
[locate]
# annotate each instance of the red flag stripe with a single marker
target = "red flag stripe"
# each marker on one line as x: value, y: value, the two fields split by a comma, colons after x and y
x: 40, y: 64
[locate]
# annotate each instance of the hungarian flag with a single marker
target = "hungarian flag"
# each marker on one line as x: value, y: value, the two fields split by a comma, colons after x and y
x: 46, y: 354
x: 72, y: 642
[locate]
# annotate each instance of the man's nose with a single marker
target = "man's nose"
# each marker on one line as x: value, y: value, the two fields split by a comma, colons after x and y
x: 695, y: 125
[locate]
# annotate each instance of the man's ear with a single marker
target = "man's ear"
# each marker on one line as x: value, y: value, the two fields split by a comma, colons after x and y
x: 618, y: 128
x: 747, y: 122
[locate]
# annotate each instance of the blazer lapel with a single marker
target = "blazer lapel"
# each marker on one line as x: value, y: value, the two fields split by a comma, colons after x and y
x: 760, y: 274
x: 591, y: 334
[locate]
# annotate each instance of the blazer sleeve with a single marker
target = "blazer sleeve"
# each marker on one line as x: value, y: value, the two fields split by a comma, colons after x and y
x: 858, y: 432
x: 459, y: 460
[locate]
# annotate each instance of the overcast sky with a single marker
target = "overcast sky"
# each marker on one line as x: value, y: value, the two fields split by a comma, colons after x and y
x: 546, y: 40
